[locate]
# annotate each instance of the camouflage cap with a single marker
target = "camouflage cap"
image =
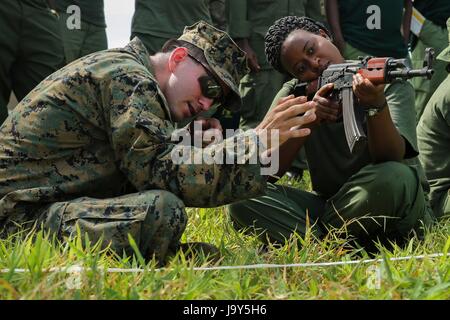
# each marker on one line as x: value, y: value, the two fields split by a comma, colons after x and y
x: 222, y: 54
x: 445, y: 54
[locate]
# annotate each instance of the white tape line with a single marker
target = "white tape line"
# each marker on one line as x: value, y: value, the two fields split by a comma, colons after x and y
x: 78, y: 269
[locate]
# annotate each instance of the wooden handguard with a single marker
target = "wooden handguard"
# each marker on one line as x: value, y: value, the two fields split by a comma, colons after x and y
x: 375, y: 70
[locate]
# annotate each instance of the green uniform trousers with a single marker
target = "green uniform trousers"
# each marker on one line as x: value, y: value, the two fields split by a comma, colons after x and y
x: 437, y: 38
x: 383, y: 201
x: 80, y: 42
x: 31, y: 48
x: 155, y: 219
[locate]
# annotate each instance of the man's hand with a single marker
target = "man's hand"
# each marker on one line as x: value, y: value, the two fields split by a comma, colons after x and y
x: 251, y: 55
x: 203, y: 125
x: 289, y: 117
x: 368, y: 94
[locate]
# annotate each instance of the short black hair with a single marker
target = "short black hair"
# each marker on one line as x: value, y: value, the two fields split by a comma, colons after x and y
x: 280, y: 30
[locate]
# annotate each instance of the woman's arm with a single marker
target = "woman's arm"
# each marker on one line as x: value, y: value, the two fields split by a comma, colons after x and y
x: 385, y: 142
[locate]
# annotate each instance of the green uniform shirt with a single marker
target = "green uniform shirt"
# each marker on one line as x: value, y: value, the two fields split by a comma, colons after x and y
x: 252, y: 18
x: 92, y: 11
x: 433, y: 134
x: 101, y: 124
x: 167, y: 19
x: 385, y: 41
x: 329, y: 159
x: 437, y: 11
x: 36, y: 3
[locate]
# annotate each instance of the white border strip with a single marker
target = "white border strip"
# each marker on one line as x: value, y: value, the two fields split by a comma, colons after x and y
x: 78, y: 269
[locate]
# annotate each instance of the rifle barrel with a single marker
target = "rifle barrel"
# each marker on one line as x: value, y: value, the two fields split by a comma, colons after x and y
x: 408, y: 73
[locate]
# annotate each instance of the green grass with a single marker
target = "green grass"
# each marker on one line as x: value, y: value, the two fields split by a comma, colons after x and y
x: 410, y: 279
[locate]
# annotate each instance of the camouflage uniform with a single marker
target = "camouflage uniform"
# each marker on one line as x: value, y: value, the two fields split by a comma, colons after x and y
x: 90, y: 146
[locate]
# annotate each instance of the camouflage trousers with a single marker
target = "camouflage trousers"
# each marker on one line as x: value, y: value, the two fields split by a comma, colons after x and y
x: 155, y: 219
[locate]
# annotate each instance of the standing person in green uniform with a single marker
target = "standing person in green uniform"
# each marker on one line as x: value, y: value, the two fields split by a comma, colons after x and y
x: 372, y: 193
x: 249, y: 21
x: 156, y: 21
x: 92, y: 145
x: 432, y: 32
x: 83, y: 27
x: 218, y: 10
x: 31, y: 47
x: 373, y: 28
x: 368, y: 27
x: 433, y: 135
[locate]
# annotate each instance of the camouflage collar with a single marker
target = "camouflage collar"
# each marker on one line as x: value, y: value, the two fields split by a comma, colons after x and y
x: 137, y: 47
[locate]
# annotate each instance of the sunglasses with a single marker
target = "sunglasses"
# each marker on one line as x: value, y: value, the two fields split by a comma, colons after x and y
x: 209, y: 86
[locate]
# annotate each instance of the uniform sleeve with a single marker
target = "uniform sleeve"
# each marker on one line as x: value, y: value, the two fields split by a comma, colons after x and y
x: 141, y: 138
x: 284, y: 92
x: 400, y: 99
x: 239, y: 26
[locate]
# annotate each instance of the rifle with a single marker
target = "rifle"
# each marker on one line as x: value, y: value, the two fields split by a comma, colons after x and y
x: 378, y: 71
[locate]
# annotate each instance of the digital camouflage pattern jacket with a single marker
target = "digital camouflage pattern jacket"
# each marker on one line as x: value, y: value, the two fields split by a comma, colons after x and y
x: 100, y: 127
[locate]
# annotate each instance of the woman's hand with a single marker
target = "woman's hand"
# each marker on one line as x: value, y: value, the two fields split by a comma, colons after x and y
x: 368, y: 94
x: 326, y: 108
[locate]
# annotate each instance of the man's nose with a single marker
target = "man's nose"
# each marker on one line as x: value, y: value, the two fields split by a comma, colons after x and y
x: 205, y: 103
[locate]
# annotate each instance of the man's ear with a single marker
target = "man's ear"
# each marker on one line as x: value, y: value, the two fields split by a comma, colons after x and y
x: 177, y: 55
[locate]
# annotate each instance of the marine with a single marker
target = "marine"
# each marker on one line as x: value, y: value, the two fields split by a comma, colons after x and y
x: 90, y: 147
